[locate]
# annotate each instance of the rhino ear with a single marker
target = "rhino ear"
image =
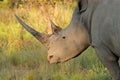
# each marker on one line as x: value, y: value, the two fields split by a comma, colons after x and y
x: 55, y: 29
x: 82, y: 4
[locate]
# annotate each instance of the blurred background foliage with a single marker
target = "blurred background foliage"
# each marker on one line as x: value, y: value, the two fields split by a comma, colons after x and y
x: 22, y: 3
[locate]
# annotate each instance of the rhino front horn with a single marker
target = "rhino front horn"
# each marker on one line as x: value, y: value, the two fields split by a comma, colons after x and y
x: 41, y: 37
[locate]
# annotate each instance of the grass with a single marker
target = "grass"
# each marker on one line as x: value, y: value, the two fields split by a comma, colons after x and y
x: 32, y: 65
x: 22, y: 57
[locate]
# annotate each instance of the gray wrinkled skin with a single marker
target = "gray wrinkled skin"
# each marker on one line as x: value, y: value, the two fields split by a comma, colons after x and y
x: 94, y: 22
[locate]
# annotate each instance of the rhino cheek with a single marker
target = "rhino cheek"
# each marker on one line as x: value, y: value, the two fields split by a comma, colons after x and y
x: 74, y: 52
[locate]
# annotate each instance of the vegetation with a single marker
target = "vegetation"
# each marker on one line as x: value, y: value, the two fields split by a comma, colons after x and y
x: 22, y: 57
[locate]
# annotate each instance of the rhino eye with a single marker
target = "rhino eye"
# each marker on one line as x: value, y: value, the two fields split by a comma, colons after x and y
x: 64, y: 37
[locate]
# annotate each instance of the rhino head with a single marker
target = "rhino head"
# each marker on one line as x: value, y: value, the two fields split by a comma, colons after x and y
x: 65, y: 44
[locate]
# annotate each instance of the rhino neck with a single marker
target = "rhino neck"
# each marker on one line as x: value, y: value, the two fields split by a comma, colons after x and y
x: 87, y: 16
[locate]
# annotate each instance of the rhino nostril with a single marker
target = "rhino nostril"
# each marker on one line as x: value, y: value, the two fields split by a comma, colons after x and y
x: 50, y: 57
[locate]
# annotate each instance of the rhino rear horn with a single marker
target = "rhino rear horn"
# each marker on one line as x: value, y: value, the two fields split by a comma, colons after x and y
x: 55, y: 29
x: 39, y: 36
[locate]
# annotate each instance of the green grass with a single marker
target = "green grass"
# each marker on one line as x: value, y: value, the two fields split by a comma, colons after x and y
x: 32, y: 65
x: 22, y: 57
